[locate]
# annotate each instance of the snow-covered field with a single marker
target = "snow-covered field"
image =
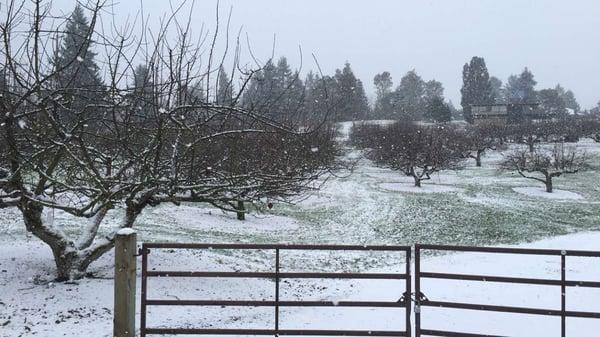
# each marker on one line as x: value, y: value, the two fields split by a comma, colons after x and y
x: 32, y: 305
x: 477, y: 206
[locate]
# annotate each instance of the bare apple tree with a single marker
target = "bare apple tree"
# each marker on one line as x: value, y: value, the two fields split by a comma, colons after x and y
x: 148, y: 131
x: 545, y: 164
x: 481, y: 138
x: 416, y: 151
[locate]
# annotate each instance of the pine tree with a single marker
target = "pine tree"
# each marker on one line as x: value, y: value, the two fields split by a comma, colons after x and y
x: 276, y: 91
x: 362, y: 108
x: 289, y: 90
x: 497, y: 90
x: 350, y: 98
x: 476, y: 87
x: 552, y: 103
x: 433, y: 89
x: 438, y: 111
x: 320, y: 96
x: 521, y: 89
x: 224, y: 88
x: 79, y: 75
x: 568, y: 98
x: 261, y: 90
x: 383, y: 88
x: 3, y: 82
x: 143, y: 89
x: 596, y: 110
x: 409, y: 100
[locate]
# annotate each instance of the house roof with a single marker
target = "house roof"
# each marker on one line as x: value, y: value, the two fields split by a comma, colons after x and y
x: 506, y: 104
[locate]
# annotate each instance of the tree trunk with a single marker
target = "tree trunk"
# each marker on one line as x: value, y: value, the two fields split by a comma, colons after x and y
x: 67, y: 265
x: 241, y: 215
x: 549, y: 184
x: 417, y: 181
x: 478, y: 158
x: 71, y: 261
x: 531, y: 144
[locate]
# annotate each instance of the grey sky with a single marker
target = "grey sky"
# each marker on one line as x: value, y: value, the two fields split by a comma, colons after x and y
x: 558, y: 40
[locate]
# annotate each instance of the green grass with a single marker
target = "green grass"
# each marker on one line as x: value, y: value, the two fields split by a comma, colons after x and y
x: 355, y: 210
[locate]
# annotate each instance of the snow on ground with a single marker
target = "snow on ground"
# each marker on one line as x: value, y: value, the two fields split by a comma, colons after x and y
x: 32, y: 305
x: 482, y: 209
x: 541, y: 192
x: 215, y: 220
x: 425, y: 188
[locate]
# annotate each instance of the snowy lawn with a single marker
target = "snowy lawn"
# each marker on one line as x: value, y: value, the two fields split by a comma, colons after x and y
x: 474, y: 206
x: 32, y: 305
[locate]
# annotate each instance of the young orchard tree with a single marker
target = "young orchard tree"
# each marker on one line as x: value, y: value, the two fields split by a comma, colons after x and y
x: 481, y: 138
x: 367, y: 136
x: 543, y: 165
x: 531, y: 133
x: 417, y: 151
x: 128, y: 148
x: 589, y: 126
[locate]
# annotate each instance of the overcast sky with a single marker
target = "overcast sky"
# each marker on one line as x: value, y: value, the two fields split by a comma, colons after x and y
x: 558, y: 40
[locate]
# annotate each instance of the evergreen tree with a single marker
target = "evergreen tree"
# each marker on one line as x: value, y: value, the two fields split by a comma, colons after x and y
x: 497, y: 90
x: 596, y: 110
x: 409, y: 97
x: 568, y: 98
x: 276, y: 91
x: 143, y: 91
x: 433, y: 90
x: 79, y: 75
x: 320, y: 95
x: 290, y: 90
x: 261, y: 90
x: 224, y: 88
x: 350, y: 98
x: 476, y: 88
x: 383, y: 88
x: 3, y: 82
x: 283, y: 72
x: 551, y: 102
x: 196, y: 93
x: 521, y: 89
x: 438, y: 111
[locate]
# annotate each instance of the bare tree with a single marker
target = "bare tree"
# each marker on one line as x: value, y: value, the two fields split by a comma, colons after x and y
x: 545, y: 164
x: 529, y: 133
x: 129, y: 148
x: 417, y: 151
x: 533, y: 133
x: 478, y: 139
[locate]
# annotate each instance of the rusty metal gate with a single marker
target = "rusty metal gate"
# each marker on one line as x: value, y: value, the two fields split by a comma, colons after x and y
x: 277, y: 275
x: 418, y: 297
x: 562, y: 283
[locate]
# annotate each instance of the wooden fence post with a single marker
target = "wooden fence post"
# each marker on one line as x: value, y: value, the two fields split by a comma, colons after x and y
x: 125, y: 277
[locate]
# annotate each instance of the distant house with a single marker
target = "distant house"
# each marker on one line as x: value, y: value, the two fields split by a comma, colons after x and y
x: 506, y: 113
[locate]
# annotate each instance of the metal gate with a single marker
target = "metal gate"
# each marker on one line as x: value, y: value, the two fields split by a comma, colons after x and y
x: 277, y: 275
x: 563, y: 283
x: 418, y: 297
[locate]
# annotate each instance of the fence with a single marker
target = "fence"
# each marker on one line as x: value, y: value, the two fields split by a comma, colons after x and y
x: 125, y: 281
x: 277, y: 275
x: 563, y: 283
